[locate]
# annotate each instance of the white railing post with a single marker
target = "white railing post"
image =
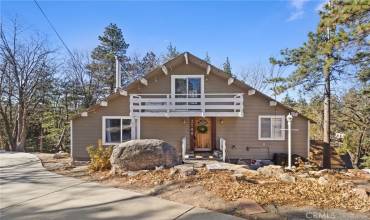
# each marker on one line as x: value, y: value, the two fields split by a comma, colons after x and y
x: 241, y: 108
x: 168, y: 103
x: 139, y: 104
x: 235, y: 101
x: 223, y: 148
x: 183, y: 148
x: 131, y: 105
x: 203, y: 103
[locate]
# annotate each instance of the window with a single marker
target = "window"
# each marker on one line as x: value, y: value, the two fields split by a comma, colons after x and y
x: 271, y: 127
x: 117, y: 129
x: 187, y: 85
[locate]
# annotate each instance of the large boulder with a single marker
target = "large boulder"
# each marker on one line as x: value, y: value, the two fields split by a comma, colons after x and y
x: 145, y: 154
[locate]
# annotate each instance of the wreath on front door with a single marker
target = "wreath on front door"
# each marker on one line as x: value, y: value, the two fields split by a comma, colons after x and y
x: 202, y: 129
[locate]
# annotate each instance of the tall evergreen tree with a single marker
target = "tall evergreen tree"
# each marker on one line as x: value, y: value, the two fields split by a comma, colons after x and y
x: 150, y: 61
x: 227, y: 66
x: 207, y: 58
x: 112, y: 43
x: 338, y: 47
x: 171, y: 53
x: 138, y: 67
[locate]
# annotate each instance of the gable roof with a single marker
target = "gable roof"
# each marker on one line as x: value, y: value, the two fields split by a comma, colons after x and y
x: 180, y: 59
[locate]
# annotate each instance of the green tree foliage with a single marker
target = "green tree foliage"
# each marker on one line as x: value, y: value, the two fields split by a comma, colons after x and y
x: 207, y: 58
x: 227, y: 66
x: 171, y: 53
x: 112, y: 43
x: 354, y: 120
x: 137, y: 67
x: 336, y: 51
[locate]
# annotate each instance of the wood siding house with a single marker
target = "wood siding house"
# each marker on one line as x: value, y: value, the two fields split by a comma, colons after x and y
x: 188, y: 102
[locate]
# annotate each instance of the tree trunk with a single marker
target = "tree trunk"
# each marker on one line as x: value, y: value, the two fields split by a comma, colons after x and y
x: 359, y: 152
x: 22, y: 128
x: 60, y: 141
x: 326, y: 148
x: 41, y: 146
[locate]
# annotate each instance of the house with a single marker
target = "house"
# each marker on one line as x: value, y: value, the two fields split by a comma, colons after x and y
x: 195, y: 107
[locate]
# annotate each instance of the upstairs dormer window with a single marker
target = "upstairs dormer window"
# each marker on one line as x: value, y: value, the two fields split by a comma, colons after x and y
x: 185, y: 86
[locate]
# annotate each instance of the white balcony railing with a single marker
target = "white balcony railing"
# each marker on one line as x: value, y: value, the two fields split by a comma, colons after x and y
x: 187, y: 105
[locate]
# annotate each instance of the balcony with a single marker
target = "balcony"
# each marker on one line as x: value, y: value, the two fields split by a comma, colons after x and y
x: 187, y: 105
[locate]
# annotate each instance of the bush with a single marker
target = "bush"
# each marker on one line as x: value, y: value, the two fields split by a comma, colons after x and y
x: 366, y: 161
x: 99, y: 157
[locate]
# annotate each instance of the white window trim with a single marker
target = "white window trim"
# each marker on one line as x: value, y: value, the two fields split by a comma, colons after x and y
x: 133, y: 128
x: 173, y: 77
x: 271, y: 117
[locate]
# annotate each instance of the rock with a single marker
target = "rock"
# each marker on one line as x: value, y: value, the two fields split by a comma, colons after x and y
x: 238, y: 177
x: 324, y: 171
x: 215, y: 167
x: 61, y: 155
x: 287, y: 178
x: 271, y: 170
x: 173, y: 172
x: 217, y: 154
x: 186, y: 170
x: 250, y: 172
x: 271, y: 208
x: 135, y: 173
x: 303, y: 175
x: 345, y: 183
x: 361, y: 193
x: 242, y: 162
x: 311, y: 179
x: 322, y: 181
x: 314, y: 173
x: 145, y: 154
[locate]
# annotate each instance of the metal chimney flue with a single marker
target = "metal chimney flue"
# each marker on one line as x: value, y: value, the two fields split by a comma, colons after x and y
x: 118, y: 74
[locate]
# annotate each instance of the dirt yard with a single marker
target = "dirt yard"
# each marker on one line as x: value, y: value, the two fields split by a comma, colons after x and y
x: 227, y: 192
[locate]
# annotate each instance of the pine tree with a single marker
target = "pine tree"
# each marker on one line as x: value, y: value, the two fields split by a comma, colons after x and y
x: 150, y: 61
x: 171, y: 53
x: 287, y: 100
x: 227, y: 66
x: 207, y: 58
x: 137, y: 67
x: 112, y: 43
x: 339, y: 44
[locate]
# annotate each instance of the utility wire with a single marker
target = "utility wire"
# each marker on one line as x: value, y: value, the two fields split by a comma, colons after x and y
x: 54, y: 29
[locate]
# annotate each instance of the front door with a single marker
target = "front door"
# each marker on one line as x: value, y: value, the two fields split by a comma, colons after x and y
x: 202, y: 134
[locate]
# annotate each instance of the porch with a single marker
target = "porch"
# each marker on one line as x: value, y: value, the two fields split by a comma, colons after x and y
x: 187, y: 105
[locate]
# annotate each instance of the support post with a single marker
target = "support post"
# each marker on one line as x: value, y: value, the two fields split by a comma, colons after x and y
x: 183, y: 148
x: 118, y: 73
x: 223, y: 146
x: 289, y: 118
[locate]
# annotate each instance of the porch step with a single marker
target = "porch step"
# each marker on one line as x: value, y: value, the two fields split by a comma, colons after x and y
x: 200, y: 156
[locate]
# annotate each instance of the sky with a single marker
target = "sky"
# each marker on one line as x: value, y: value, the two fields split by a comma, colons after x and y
x: 248, y: 32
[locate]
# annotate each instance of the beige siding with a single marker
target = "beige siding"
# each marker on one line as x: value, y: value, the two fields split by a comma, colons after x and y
x: 171, y: 130
x: 241, y: 134
x: 88, y: 130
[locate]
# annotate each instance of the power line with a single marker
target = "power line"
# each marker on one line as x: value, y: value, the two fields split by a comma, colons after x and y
x: 54, y: 29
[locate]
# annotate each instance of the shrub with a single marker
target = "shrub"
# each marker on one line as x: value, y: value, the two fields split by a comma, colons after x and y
x: 366, y: 161
x: 99, y: 157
